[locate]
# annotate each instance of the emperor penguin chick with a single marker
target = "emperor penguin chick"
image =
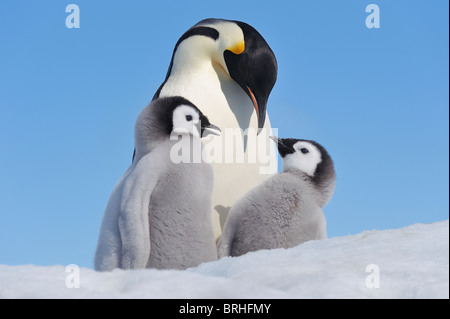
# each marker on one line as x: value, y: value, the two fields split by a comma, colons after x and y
x: 159, y: 214
x: 286, y: 209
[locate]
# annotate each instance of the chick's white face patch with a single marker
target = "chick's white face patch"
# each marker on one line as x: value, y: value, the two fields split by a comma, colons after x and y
x: 186, y: 120
x: 305, y: 158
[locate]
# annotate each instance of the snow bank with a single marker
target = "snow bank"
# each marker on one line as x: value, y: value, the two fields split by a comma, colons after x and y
x: 411, y: 262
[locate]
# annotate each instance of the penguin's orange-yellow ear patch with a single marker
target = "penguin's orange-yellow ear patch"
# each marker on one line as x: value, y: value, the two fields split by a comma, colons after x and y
x: 238, y: 48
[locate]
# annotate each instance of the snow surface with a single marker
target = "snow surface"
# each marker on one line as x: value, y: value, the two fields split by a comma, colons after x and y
x: 413, y: 262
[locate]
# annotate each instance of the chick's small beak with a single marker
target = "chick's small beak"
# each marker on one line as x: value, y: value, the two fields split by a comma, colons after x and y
x: 283, y: 149
x: 210, y: 129
x: 274, y: 138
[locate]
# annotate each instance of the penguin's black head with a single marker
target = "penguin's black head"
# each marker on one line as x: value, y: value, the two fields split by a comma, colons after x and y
x: 309, y: 157
x: 166, y: 116
x: 179, y: 115
x: 254, y: 69
x: 241, y: 52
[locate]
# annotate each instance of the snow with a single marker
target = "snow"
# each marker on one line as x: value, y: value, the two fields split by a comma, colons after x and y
x: 410, y: 262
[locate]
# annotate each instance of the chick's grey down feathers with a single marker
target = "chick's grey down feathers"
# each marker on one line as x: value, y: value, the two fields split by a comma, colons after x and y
x: 282, y: 212
x: 159, y: 213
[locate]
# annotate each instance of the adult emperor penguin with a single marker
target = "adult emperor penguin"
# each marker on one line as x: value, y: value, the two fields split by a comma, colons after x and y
x: 159, y: 213
x: 228, y: 70
x: 285, y: 210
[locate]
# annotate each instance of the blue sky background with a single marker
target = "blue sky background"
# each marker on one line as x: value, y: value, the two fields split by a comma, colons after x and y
x: 377, y: 99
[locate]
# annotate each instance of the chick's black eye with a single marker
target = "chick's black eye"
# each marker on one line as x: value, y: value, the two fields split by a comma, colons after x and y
x: 304, y: 150
x: 188, y: 118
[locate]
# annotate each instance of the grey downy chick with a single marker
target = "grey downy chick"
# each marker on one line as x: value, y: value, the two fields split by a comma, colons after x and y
x: 286, y: 209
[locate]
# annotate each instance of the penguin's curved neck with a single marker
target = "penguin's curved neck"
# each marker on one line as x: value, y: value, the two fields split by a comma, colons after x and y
x: 192, y: 54
x: 298, y: 173
x: 323, y: 191
x: 194, y: 74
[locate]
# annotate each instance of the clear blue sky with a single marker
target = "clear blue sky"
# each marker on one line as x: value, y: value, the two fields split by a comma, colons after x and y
x: 377, y: 99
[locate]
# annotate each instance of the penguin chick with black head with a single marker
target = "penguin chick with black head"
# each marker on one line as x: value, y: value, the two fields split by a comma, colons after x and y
x: 159, y: 213
x: 285, y: 210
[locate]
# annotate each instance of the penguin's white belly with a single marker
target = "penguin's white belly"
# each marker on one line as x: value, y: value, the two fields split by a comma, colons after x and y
x: 240, y: 161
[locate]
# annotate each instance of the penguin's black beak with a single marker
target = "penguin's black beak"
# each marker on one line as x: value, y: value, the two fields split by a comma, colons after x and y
x: 283, y: 149
x: 211, y: 129
x: 207, y: 128
x: 254, y: 69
